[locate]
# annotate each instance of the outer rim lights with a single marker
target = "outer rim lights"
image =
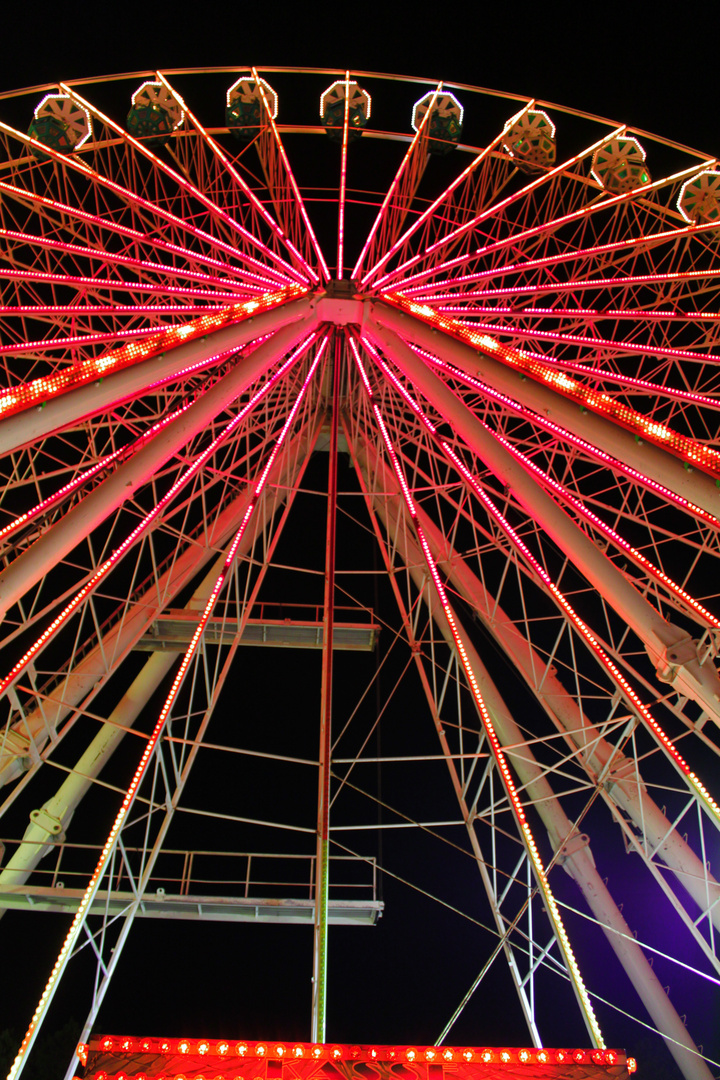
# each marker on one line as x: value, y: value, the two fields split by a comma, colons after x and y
x: 579, y: 1056
x: 246, y: 88
x: 410, y: 1053
x: 543, y: 1057
x: 183, y: 1047
x: 631, y: 1065
x: 241, y: 1049
x: 531, y: 112
x: 690, y: 197
x: 203, y: 1047
x: 155, y: 93
x: 607, y: 158
x: 448, y: 1055
x: 223, y: 1048
x: 468, y: 1055
x: 354, y: 95
x: 486, y: 1056
x: 82, y: 1052
x: 279, y: 1051
x: 298, y: 1051
x: 69, y: 116
x: 317, y: 1051
x: 444, y: 104
x: 260, y: 1050
x: 524, y: 1056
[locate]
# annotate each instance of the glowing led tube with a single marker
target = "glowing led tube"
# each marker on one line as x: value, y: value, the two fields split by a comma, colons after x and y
x: 193, y: 190
x: 494, y: 742
x: 343, y: 180
x: 26, y: 395
x: 292, y: 181
x: 424, y: 123
x: 143, y: 525
x: 86, y: 475
x: 515, y: 239
x: 430, y: 210
x: 620, y: 681
x: 111, y: 258
x: 129, y: 799
x: 582, y: 444
x: 682, y: 446
x: 610, y: 533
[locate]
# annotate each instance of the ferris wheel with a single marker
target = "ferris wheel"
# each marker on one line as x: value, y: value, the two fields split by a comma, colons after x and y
x: 399, y: 417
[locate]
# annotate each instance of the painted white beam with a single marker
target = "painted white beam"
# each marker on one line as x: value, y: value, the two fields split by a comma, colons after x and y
x: 674, y: 655
x: 57, y: 541
x: 651, y: 460
x: 83, y: 681
x: 573, y: 848
x: 71, y: 408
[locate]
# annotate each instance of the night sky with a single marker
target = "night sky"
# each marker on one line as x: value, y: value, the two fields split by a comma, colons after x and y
x: 617, y: 60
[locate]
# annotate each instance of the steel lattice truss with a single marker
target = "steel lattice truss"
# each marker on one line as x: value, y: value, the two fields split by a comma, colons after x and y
x: 512, y: 395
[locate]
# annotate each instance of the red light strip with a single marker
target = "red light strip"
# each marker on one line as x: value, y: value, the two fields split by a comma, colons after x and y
x: 548, y: 226
x: 433, y: 207
x: 575, y: 339
x: 623, y: 685
x: 142, y: 527
x: 153, y: 208
x: 571, y: 313
x: 549, y: 260
x: 690, y: 450
x: 270, y: 1050
x: 238, y: 178
x: 79, y: 480
x: 593, y: 451
x: 343, y: 180
x: 642, y: 385
x: 109, y: 309
x: 152, y: 743
x: 26, y: 395
x: 620, y: 681
x: 191, y: 188
x: 610, y: 533
x: 156, y: 242
x: 396, y: 183
x: 109, y: 258
x: 45, y: 345
x: 515, y: 197
x: 429, y: 213
x: 239, y: 289
x: 291, y: 176
x: 579, y: 285
x: 494, y: 742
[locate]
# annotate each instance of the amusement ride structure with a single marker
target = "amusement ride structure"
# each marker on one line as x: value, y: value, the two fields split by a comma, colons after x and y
x: 425, y: 384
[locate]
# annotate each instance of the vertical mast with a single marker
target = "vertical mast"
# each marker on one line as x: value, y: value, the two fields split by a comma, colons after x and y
x: 323, y: 815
